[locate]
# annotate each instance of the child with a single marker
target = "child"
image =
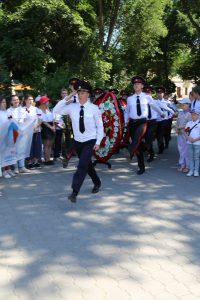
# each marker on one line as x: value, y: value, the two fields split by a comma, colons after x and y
x: 192, y: 133
x: 184, y: 116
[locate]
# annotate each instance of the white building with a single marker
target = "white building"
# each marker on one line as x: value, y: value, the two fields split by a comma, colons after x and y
x: 183, y: 87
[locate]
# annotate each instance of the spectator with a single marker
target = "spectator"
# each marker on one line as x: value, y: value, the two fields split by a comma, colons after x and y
x: 6, y: 171
x: 36, y: 146
x: 48, y: 129
x: 17, y: 113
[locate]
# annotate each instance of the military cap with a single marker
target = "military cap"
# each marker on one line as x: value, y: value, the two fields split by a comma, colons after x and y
x: 98, y: 91
x: 123, y: 92
x: 82, y: 85
x: 160, y: 89
x: 148, y: 89
x: 114, y: 91
x: 72, y: 81
x: 138, y: 79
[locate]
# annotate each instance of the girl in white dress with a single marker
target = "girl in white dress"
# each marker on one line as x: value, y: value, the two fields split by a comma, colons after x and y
x: 17, y: 113
x: 6, y: 171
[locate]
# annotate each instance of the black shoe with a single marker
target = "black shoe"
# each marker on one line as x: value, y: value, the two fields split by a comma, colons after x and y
x: 72, y: 197
x: 65, y: 163
x: 140, y: 171
x: 160, y: 152
x: 49, y: 163
x: 96, y: 188
x: 150, y: 159
x: 31, y: 166
x: 37, y: 165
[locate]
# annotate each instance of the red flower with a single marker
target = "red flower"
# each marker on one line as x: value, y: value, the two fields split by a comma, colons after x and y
x: 103, y: 142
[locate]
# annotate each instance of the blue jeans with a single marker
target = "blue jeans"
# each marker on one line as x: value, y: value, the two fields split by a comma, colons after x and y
x: 20, y: 163
x: 194, y: 153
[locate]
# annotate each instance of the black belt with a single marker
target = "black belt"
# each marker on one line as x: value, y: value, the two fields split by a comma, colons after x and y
x: 142, y: 120
x: 152, y: 121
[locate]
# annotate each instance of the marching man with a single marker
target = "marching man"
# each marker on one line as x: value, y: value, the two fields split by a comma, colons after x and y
x: 88, y: 132
x: 136, y: 113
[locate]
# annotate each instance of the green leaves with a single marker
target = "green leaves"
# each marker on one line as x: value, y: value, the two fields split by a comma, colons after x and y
x: 43, y: 43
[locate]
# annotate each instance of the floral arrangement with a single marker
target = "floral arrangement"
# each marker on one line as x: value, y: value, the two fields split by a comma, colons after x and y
x: 125, y: 132
x: 112, y: 126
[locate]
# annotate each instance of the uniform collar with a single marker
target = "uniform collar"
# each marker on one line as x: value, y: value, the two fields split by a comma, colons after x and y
x: 85, y: 104
x: 140, y: 94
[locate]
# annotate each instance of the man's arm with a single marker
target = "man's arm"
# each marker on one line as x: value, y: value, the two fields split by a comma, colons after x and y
x: 99, y: 125
x: 155, y: 107
x: 62, y: 107
x: 165, y: 107
x: 126, y: 112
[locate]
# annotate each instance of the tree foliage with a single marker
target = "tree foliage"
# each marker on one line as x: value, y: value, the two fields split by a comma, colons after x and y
x: 43, y: 43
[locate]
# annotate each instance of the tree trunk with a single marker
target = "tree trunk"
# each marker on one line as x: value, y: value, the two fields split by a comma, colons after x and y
x: 101, y: 24
x: 113, y: 21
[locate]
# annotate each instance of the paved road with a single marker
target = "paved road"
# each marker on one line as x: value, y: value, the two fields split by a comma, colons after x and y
x: 138, y: 239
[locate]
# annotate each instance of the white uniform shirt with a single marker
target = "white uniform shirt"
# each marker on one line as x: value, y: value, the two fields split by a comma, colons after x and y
x: 169, y: 104
x: 92, y: 120
x: 131, y: 108
x: 165, y: 109
x: 195, y: 104
x: 195, y: 132
x: 155, y: 113
x: 18, y: 114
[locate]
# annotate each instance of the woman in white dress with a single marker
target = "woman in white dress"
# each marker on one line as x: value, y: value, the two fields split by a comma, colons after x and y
x: 36, y: 146
x: 16, y: 112
x: 6, y: 170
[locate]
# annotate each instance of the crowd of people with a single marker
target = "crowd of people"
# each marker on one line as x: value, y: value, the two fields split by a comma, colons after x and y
x: 147, y: 114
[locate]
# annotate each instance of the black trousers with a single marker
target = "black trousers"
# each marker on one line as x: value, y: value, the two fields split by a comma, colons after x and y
x: 167, y: 134
x: 84, y: 151
x: 137, y: 131
x: 58, y: 143
x: 150, y: 136
x: 160, y: 134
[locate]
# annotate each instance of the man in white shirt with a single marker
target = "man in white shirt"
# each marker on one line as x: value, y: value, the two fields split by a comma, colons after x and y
x: 151, y: 124
x: 136, y: 113
x: 162, y: 121
x: 168, y: 128
x: 88, y: 132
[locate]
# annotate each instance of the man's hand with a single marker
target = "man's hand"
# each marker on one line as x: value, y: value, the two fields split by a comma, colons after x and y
x: 96, y: 147
x: 69, y: 98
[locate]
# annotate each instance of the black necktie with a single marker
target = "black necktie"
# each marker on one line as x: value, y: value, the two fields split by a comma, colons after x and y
x: 139, y: 112
x: 81, y: 120
x: 149, y: 112
x: 194, y: 103
x: 74, y: 99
